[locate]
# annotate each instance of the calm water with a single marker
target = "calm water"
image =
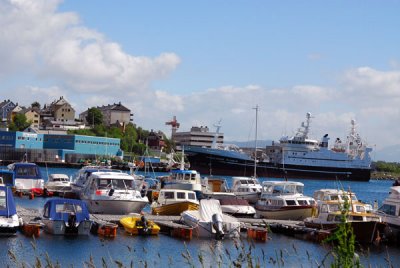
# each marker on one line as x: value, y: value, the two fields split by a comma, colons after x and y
x: 163, y: 250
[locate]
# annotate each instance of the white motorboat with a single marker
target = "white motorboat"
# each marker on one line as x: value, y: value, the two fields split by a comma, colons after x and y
x: 58, y: 183
x: 66, y: 217
x: 237, y: 207
x: 248, y: 188
x: 390, y: 213
x: 9, y: 220
x: 284, y: 200
x: 28, y: 178
x: 80, y: 179
x: 209, y: 221
x: 113, y: 193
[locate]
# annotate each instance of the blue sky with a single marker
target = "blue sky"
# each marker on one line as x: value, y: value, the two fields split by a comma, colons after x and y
x: 209, y: 60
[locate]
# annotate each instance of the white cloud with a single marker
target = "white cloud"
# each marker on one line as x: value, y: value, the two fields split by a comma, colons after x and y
x: 54, y: 45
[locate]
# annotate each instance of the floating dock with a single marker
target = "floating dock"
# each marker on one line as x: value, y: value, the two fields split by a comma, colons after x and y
x: 170, y: 225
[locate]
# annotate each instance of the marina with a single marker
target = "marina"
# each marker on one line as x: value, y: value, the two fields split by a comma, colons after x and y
x: 172, y: 231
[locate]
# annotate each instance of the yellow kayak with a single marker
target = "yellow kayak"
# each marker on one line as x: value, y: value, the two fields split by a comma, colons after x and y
x: 139, y: 226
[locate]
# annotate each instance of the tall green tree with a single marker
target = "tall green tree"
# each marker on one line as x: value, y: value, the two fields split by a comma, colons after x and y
x: 19, y: 123
x: 35, y: 104
x: 94, y: 117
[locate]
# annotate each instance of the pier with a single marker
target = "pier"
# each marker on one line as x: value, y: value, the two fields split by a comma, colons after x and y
x: 171, y: 225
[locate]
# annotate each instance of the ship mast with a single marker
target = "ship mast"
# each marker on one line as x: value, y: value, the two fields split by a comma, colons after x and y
x: 255, y: 144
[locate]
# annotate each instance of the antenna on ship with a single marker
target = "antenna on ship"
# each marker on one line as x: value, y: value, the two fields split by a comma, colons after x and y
x: 218, y: 126
x: 255, y: 144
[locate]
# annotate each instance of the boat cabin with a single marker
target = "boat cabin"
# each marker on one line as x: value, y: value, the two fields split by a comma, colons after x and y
x: 391, y: 205
x: 167, y: 196
x: 185, y: 176
x: 61, y: 209
x: 334, y: 195
x: 282, y: 188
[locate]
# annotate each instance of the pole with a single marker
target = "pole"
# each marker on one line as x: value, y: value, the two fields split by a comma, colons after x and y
x: 255, y: 144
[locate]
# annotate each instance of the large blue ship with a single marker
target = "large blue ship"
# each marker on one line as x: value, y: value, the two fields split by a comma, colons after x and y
x: 298, y: 157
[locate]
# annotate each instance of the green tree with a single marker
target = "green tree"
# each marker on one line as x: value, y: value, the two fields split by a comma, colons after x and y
x: 35, y: 105
x: 19, y: 123
x: 94, y: 117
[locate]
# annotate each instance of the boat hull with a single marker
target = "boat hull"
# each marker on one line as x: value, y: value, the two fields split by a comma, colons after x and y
x: 174, y: 209
x: 134, y: 226
x: 364, y: 232
x: 216, y: 163
x: 58, y: 227
x: 115, y: 207
x: 285, y: 213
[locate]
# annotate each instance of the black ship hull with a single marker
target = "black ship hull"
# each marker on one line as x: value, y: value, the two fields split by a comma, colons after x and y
x: 209, y: 164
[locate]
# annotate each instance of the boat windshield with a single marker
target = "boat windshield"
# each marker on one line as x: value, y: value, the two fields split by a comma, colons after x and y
x: 68, y: 208
x: 283, y: 189
x: 27, y: 171
x: 117, y: 184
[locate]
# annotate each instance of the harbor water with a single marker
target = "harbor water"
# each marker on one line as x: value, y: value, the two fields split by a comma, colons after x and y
x: 162, y: 250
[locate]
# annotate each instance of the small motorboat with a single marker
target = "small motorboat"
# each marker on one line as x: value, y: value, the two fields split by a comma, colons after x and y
x: 139, y: 225
x: 9, y: 220
x: 28, y: 178
x: 367, y: 226
x: 66, y: 217
x: 284, y: 200
x: 174, y: 202
x: 113, y: 193
x: 390, y: 213
x: 248, y: 188
x: 59, y: 184
x: 210, y: 222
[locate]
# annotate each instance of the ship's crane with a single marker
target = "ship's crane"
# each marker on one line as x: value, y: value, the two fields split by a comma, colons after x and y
x: 174, y: 124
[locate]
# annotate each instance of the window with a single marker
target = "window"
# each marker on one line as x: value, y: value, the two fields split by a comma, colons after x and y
x: 192, y: 196
x: 180, y: 195
x: 290, y: 202
x: 169, y: 195
x: 388, y: 209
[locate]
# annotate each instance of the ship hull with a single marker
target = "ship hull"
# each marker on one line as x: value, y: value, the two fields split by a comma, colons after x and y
x: 209, y: 163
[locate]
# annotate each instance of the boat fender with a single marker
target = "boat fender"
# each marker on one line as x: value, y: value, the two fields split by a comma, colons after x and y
x: 111, y: 192
x: 217, y: 225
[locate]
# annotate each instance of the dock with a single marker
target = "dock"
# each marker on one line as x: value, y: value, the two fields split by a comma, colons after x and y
x: 171, y: 225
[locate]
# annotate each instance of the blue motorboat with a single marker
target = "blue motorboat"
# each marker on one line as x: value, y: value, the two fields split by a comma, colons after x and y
x: 9, y: 220
x: 66, y: 217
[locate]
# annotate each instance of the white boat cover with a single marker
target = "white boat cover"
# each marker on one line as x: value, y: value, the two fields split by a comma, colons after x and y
x: 209, y: 207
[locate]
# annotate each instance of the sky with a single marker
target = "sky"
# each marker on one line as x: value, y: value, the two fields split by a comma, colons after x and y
x: 212, y: 61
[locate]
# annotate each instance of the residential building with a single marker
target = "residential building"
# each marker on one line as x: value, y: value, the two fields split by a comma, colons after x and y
x: 113, y: 114
x: 59, y: 110
x: 155, y: 140
x: 6, y: 107
x: 32, y: 115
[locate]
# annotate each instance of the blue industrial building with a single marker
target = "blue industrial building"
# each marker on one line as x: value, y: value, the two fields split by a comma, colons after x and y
x: 57, y: 147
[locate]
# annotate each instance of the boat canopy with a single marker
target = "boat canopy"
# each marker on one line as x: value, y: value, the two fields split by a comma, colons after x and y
x: 7, y: 204
x: 7, y: 178
x: 24, y: 170
x: 60, y: 209
x: 209, y: 207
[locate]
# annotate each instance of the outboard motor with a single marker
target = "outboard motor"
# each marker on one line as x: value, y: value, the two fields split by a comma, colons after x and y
x: 217, y: 225
x: 71, y: 228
